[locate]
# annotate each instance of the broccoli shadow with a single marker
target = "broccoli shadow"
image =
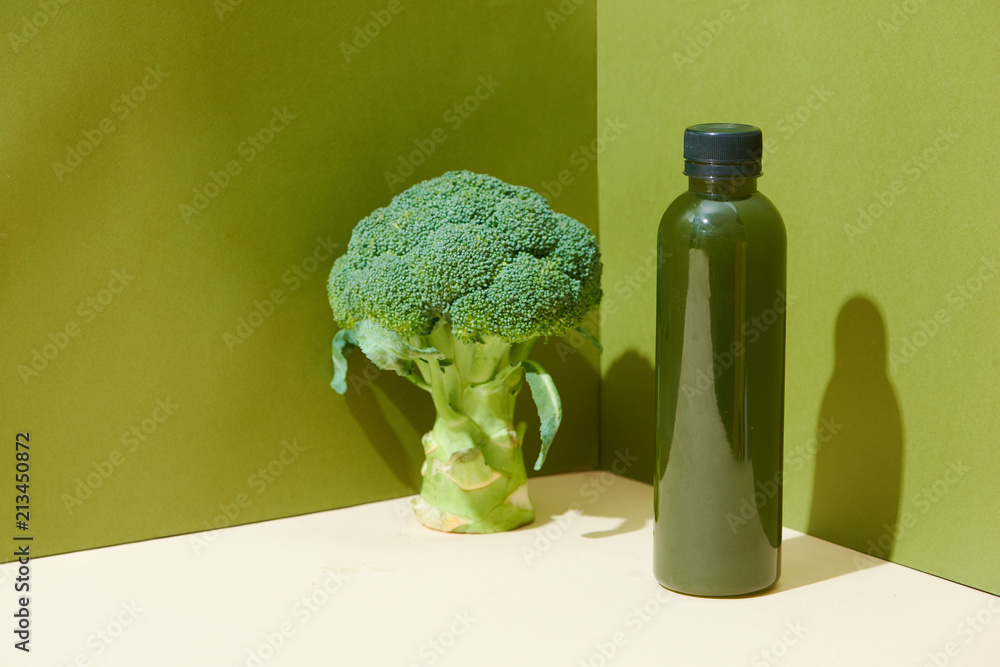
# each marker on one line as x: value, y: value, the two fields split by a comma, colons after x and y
x: 401, y: 458
x: 628, y: 418
x: 627, y: 450
x: 859, y: 434
x: 576, y: 446
x: 599, y: 494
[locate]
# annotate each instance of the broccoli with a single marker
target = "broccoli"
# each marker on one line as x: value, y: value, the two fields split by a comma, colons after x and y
x: 450, y: 285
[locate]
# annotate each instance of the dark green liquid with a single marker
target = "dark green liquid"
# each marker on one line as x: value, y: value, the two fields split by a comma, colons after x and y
x: 720, y: 344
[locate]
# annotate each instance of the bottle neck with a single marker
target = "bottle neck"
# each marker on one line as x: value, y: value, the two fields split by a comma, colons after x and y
x: 734, y: 187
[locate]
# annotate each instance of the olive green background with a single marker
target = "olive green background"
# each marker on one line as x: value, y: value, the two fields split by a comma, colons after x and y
x: 163, y: 337
x: 885, y: 409
x: 891, y: 331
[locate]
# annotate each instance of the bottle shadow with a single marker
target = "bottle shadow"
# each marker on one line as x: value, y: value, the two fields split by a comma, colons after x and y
x: 858, y: 458
x: 806, y: 560
x: 859, y: 439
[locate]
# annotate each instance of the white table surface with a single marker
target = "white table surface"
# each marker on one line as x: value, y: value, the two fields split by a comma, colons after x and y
x: 368, y: 585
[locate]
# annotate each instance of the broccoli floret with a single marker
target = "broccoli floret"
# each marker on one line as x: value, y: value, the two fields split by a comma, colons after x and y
x: 491, y: 258
x: 450, y: 285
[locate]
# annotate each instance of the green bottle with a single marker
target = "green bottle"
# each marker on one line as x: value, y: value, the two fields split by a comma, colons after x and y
x: 720, y: 376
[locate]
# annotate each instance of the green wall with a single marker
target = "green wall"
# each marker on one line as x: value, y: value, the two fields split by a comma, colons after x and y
x: 892, y: 357
x: 199, y: 319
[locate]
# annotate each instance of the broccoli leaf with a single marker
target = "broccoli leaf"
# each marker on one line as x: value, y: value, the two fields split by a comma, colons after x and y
x: 341, y: 340
x: 589, y: 336
x: 388, y: 350
x: 543, y: 390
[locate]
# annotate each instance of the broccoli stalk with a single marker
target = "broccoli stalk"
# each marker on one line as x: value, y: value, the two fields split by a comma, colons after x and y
x: 474, y: 478
x: 450, y: 286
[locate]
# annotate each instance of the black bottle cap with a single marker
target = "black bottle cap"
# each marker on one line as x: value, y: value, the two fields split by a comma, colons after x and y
x: 722, y: 150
